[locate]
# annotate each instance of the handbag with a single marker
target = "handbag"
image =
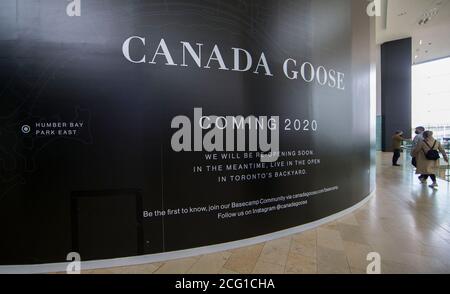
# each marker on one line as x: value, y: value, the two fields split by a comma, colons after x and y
x: 431, y: 154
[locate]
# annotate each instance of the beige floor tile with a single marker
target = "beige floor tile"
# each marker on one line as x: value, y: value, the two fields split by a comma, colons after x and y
x: 210, y: 263
x: 135, y: 269
x: 333, y: 258
x: 225, y: 271
x: 141, y: 269
x: 304, y: 248
x: 349, y: 220
x: 276, y: 251
x: 268, y: 268
x: 299, y: 264
x: 179, y: 266
x: 243, y: 260
x: 352, y: 234
x: 330, y: 226
x: 329, y: 239
x: 433, y: 240
x: 357, y: 255
x: 394, y: 249
x: 358, y: 271
x: 426, y: 264
x: 305, y: 244
x: 100, y: 271
x: 441, y: 253
x: 329, y: 268
x: 390, y: 267
x: 306, y: 236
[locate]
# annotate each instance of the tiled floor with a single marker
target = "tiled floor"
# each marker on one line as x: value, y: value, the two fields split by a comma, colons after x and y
x: 406, y: 222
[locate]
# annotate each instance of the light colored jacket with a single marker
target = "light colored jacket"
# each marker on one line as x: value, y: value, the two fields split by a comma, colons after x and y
x: 424, y: 165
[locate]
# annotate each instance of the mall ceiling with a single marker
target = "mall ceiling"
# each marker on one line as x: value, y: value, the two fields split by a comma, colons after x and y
x: 426, y: 21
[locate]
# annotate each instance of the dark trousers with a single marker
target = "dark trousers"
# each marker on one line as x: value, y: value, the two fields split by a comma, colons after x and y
x: 396, y: 156
x: 433, y: 177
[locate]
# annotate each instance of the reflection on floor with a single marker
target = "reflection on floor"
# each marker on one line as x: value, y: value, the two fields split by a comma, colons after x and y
x: 444, y: 173
x: 406, y: 222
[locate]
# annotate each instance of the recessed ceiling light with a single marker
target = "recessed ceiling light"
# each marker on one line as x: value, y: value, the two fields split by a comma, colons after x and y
x: 420, y: 42
x: 428, y: 15
x: 417, y: 56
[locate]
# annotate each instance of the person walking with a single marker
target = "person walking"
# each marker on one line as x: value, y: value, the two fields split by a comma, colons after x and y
x: 397, y: 140
x: 417, y: 139
x: 427, y: 155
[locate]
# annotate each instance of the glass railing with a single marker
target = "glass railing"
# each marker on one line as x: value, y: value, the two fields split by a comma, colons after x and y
x: 446, y: 144
x: 440, y: 132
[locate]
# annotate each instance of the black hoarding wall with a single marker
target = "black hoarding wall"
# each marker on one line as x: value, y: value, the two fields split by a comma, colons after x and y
x: 87, y: 160
x: 396, y: 93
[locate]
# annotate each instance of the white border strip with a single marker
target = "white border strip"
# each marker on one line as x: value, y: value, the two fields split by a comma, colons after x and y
x: 151, y: 258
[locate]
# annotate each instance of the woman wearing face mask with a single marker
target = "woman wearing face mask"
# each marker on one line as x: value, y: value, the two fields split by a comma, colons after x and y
x: 427, y: 156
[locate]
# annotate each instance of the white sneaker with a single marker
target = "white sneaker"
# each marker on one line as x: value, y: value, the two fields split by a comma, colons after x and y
x: 434, y: 186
